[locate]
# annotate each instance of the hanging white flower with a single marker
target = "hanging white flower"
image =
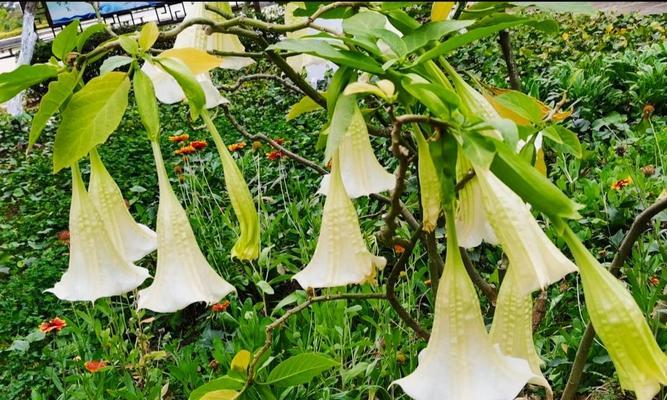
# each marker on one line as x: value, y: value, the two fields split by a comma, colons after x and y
x: 196, y: 37
x: 183, y: 275
x: 472, y: 226
x: 341, y: 256
x: 460, y: 362
x: 97, y: 268
x: 133, y: 239
x: 537, y: 262
x: 361, y: 171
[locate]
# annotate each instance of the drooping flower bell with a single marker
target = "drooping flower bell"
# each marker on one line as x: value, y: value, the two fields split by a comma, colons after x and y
x: 341, y: 256
x: 247, y: 246
x: 619, y: 322
x: 133, y: 239
x: 536, y: 261
x: 428, y: 182
x: 183, y: 275
x: 196, y: 37
x: 97, y: 268
x: 460, y: 362
x: 512, y: 328
x: 361, y: 171
x: 472, y: 226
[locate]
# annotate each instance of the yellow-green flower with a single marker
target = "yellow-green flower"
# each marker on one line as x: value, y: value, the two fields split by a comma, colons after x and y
x: 428, y: 182
x: 618, y: 321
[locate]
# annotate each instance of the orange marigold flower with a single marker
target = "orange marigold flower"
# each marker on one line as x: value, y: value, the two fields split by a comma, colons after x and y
x: 220, y: 307
x: 399, y: 249
x: 618, y: 185
x: 237, y: 146
x: 179, y: 138
x: 648, y: 110
x: 189, y: 149
x: 55, y: 324
x: 275, y: 155
x: 654, y: 280
x: 94, y: 365
x: 199, y: 144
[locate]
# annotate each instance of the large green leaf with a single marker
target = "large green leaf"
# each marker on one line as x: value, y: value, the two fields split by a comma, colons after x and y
x: 192, y: 89
x: 222, y: 383
x: 432, y: 31
x: 532, y: 186
x: 144, y: 92
x: 91, y: 116
x: 427, y: 94
x: 465, y: 38
x: 346, y: 106
x: 306, y: 104
x: 59, y: 91
x: 566, y: 139
x: 13, y: 82
x: 402, y: 21
x: 65, y: 41
x: 148, y: 35
x: 392, y: 40
x: 525, y: 106
x: 361, y: 23
x: 323, y: 49
x: 299, y: 369
x: 114, y: 62
x: 224, y: 394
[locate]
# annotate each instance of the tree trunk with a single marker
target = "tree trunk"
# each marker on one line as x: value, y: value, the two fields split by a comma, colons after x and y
x: 28, y: 39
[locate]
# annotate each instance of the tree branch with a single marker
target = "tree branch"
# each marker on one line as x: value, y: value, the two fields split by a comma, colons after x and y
x: 637, y: 228
x: 489, y: 291
x: 508, y: 55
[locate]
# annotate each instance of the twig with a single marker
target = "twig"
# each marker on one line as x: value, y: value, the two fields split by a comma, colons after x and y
x: 637, y: 228
x: 557, y: 108
x: 508, y: 55
x: 489, y: 291
x: 256, y: 77
x: 459, y: 9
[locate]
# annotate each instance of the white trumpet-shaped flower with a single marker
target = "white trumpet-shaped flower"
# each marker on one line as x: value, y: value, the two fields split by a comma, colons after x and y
x: 361, y: 171
x: 619, y: 322
x: 196, y: 37
x: 183, y: 275
x: 97, y: 268
x: 512, y: 328
x: 472, y: 227
x: 460, y: 362
x: 133, y: 239
x: 537, y: 262
x: 341, y: 256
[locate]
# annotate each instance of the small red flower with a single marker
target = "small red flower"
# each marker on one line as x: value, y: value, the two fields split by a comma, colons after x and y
x: 618, y: 185
x: 236, y: 146
x: 55, y: 324
x: 199, y: 144
x: 63, y: 236
x: 399, y: 249
x: 179, y: 138
x: 220, y: 307
x: 189, y: 149
x: 94, y: 365
x: 654, y: 280
x: 275, y: 155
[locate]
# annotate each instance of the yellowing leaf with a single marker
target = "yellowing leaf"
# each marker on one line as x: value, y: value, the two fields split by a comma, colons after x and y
x: 306, y: 104
x: 148, y: 36
x: 224, y: 394
x: 240, y: 361
x: 506, y: 112
x: 540, y: 165
x: 198, y: 61
x: 440, y: 10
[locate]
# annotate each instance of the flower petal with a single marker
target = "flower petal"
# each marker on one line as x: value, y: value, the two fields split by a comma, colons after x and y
x: 97, y: 267
x: 167, y: 90
x: 133, y: 239
x: 472, y: 226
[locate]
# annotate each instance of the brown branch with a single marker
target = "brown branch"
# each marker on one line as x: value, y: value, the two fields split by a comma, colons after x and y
x: 256, y: 77
x: 539, y: 309
x: 489, y: 291
x: 639, y: 225
x: 508, y: 55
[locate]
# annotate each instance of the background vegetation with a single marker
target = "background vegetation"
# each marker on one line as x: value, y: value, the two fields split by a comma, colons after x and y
x: 613, y: 69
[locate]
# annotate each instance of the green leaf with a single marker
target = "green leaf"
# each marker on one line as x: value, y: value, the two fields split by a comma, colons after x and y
x: 465, y: 38
x: 13, y: 82
x: 338, y: 83
x: 300, y: 369
x: 148, y: 35
x: 87, y: 33
x: 265, y: 287
x: 323, y: 49
x: 444, y: 152
x: 224, y: 394
x: 425, y: 94
x: 432, y: 31
x: 532, y: 186
x: 363, y: 22
x: 402, y: 21
x: 91, y: 116
x: 65, y: 41
x: 222, y: 383
x: 192, y: 89
x: 478, y: 149
x: 306, y: 104
x: 309, y: 7
x: 59, y: 91
x: 144, y: 92
x: 525, y: 106
x: 507, y: 129
x: 346, y: 106
x: 114, y: 62
x: 129, y: 44
x: 566, y: 138
x: 392, y: 40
